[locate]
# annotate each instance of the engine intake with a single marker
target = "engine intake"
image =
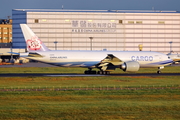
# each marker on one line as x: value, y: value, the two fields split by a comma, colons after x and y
x: 131, y: 66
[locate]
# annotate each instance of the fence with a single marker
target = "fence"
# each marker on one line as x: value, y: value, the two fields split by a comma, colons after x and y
x: 76, y: 88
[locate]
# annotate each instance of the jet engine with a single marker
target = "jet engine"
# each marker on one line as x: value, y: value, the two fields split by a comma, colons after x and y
x: 130, y: 66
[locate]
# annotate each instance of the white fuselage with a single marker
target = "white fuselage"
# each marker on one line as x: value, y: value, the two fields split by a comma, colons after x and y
x: 91, y: 58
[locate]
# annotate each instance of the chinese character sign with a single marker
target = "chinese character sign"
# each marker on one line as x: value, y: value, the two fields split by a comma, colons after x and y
x: 86, y: 26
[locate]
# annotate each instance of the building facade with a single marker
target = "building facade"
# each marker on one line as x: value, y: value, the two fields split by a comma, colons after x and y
x: 100, y: 29
x: 5, y: 31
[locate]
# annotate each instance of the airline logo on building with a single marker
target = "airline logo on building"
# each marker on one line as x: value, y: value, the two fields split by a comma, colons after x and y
x: 89, y: 26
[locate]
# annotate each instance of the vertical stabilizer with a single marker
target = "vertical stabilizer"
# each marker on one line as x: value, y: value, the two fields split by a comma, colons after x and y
x: 32, y: 41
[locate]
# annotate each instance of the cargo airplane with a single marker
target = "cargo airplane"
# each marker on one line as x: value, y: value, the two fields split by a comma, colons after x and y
x: 105, y: 61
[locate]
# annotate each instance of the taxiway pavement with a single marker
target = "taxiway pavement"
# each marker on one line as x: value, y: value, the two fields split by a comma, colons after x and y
x: 82, y: 75
x: 37, y: 64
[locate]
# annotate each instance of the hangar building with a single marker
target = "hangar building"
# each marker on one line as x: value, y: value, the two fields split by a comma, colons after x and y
x: 125, y: 30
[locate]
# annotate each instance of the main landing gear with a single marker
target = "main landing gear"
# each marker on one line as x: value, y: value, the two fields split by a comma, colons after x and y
x: 103, y: 72
x: 90, y: 71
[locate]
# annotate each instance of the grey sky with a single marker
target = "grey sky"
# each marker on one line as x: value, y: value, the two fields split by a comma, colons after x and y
x: 6, y: 6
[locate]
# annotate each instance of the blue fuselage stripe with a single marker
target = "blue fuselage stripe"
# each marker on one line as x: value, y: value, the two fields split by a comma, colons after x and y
x: 162, y: 62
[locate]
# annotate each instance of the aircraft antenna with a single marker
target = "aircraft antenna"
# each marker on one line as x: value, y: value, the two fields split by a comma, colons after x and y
x: 153, y: 8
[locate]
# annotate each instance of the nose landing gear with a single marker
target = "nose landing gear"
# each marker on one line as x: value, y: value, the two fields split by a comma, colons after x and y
x: 159, y: 69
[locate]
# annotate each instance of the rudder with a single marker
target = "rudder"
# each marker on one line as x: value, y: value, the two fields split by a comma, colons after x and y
x: 32, y: 41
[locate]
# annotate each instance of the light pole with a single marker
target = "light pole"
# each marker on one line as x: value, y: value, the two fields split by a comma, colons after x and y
x: 11, y: 60
x: 170, y: 46
x: 55, y: 42
x: 91, y: 38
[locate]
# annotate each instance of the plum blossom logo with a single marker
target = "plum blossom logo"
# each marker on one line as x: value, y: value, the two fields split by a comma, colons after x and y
x: 34, y: 43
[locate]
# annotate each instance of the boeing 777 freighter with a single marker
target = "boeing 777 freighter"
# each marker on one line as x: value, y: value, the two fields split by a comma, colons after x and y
x: 105, y: 61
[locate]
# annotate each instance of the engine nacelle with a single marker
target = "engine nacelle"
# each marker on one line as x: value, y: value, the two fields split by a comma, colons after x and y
x: 131, y: 66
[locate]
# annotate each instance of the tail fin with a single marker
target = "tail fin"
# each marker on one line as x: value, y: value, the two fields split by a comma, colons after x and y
x: 32, y: 41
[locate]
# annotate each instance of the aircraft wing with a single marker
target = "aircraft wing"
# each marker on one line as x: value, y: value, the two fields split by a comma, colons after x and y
x: 27, y: 54
x: 31, y: 54
x: 109, y: 63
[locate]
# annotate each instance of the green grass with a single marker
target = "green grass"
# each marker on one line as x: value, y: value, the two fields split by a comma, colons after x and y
x: 147, y: 104
x: 168, y: 69
x: 125, y: 104
x: 124, y: 81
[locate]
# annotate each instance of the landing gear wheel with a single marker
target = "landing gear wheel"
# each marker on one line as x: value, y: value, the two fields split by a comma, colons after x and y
x: 103, y: 72
x: 90, y: 72
x: 159, y: 69
x: 100, y: 72
x: 158, y: 72
x: 93, y: 72
x: 107, y: 72
x: 86, y: 72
